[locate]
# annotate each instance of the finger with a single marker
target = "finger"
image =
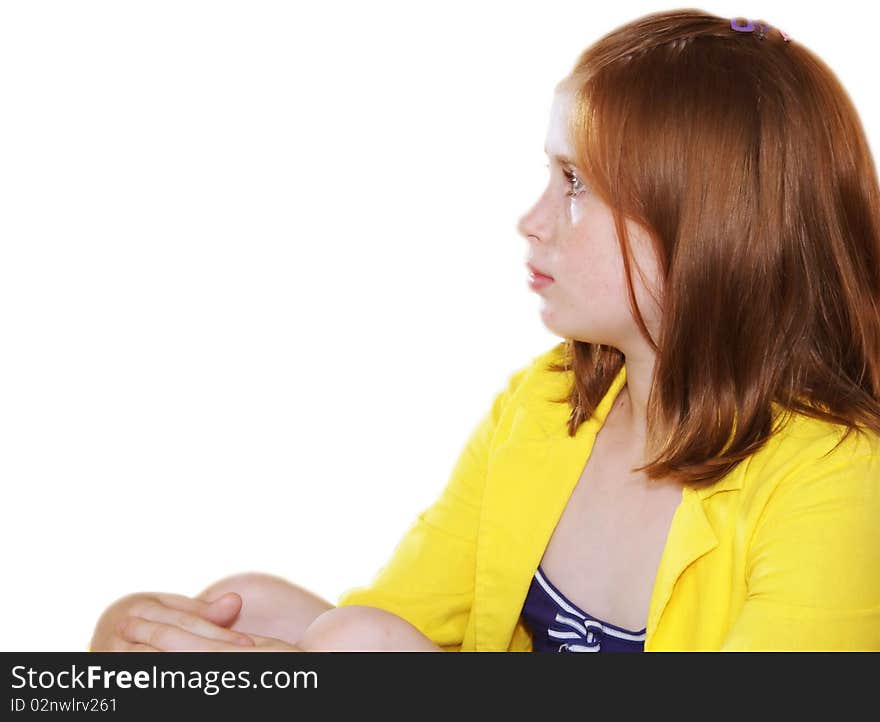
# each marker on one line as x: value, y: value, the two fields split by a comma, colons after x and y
x: 118, y: 643
x: 224, y: 610
x: 157, y: 612
x: 168, y: 638
x: 139, y: 648
x: 270, y: 644
x: 221, y: 611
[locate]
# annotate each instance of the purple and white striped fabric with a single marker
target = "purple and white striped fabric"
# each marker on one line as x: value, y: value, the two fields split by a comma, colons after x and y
x: 558, y: 625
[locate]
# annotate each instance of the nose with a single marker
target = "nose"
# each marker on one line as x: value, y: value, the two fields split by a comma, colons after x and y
x: 537, y: 222
x: 522, y: 225
x: 527, y: 225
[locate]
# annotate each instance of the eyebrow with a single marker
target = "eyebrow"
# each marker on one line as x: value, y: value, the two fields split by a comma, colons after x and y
x: 565, y: 160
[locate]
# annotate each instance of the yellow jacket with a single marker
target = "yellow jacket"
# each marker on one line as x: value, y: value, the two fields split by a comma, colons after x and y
x: 782, y: 554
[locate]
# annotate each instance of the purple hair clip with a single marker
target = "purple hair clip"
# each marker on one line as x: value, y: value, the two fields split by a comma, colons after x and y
x: 750, y: 26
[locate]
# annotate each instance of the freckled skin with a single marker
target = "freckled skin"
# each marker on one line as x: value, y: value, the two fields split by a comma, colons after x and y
x: 577, y: 245
x: 574, y: 240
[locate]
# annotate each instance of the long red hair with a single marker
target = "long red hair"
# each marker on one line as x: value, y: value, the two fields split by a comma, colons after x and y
x: 745, y: 160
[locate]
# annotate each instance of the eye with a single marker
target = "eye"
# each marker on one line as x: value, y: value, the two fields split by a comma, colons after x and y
x: 576, y: 185
x: 574, y: 182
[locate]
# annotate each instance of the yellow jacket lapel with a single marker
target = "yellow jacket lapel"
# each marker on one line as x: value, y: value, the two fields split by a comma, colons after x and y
x: 531, y: 476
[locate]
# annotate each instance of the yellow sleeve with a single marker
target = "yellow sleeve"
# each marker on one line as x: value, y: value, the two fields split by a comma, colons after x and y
x: 814, y: 564
x: 429, y: 579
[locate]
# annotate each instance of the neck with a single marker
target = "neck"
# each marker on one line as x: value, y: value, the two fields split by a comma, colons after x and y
x: 630, y: 406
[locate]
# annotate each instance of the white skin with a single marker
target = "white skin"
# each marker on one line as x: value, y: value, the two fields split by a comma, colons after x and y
x: 572, y: 238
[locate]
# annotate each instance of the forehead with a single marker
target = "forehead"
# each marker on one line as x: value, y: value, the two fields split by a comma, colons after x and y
x: 556, y: 144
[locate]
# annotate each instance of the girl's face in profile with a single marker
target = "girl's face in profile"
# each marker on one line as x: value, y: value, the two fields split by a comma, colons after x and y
x: 573, y: 240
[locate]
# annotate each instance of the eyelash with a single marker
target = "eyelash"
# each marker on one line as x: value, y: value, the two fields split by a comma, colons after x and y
x: 571, y: 178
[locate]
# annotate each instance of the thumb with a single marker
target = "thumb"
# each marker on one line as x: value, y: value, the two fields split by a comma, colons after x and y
x: 224, y: 610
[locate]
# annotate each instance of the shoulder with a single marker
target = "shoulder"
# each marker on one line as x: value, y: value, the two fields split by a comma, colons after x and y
x: 803, y: 446
x: 809, y: 466
x: 536, y: 377
x: 522, y: 407
x: 809, y: 520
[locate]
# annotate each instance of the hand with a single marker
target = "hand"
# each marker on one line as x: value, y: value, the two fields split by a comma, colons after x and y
x: 162, y: 632
x: 207, y: 619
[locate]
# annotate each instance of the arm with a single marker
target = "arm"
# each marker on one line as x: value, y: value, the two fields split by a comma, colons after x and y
x: 271, y: 605
x: 355, y: 628
x: 814, y: 563
x: 429, y: 579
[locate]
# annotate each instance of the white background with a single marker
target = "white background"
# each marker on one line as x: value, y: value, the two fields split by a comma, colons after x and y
x: 260, y: 277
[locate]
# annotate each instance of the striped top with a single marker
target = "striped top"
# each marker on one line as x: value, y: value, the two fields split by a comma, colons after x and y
x: 558, y: 625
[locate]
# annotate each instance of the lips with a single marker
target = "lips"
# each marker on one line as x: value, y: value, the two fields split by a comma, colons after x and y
x: 537, y: 271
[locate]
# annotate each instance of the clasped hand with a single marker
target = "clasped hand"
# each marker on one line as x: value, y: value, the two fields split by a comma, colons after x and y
x: 173, y: 623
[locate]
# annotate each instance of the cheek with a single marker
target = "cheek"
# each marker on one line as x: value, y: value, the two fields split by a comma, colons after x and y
x: 593, y: 268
